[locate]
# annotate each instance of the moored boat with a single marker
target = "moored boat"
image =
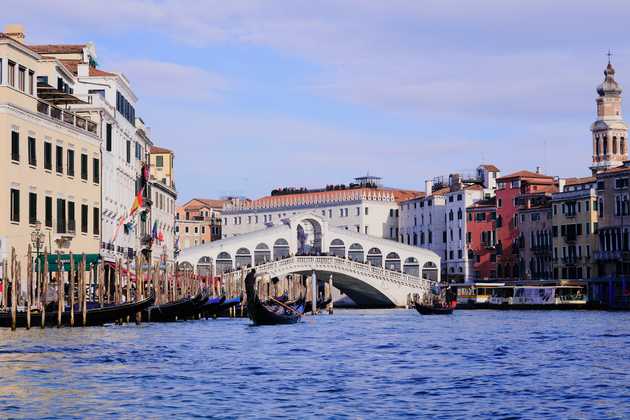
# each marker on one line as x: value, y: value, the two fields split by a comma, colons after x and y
x: 270, y: 311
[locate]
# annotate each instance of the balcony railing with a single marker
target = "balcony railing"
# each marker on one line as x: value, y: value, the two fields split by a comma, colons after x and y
x: 66, y: 117
x: 608, y: 255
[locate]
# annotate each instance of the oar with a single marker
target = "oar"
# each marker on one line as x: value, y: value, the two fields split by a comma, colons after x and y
x: 289, y: 308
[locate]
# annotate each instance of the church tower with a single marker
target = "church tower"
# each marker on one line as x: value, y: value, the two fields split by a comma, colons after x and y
x: 610, y: 147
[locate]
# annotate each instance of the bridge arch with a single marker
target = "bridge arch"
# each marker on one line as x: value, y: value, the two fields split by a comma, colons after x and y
x: 309, y: 236
x: 224, y: 263
x: 262, y: 254
x: 337, y: 248
x: 355, y: 252
x: 392, y: 261
x: 375, y: 257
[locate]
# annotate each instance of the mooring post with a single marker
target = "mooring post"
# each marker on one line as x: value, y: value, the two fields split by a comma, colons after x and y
x: 60, y: 290
x: 44, y: 292
x: 314, y: 292
x: 330, y: 295
x: 13, y: 290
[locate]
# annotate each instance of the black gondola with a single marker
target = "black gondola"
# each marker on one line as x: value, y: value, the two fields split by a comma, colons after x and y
x: 173, y: 311
x: 321, y: 304
x: 96, y: 316
x: 270, y: 312
x: 433, y: 309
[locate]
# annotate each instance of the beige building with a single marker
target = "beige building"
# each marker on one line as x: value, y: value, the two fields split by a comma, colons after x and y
x: 52, y: 163
x: 575, y: 229
x: 198, y: 222
x: 164, y: 197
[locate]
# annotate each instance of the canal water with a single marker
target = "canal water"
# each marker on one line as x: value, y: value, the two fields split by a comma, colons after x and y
x: 356, y: 364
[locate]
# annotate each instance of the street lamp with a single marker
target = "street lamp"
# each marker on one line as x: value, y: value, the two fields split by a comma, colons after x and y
x: 37, y: 240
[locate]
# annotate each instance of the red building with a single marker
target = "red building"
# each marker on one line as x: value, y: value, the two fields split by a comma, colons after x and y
x: 510, y: 189
x: 481, y: 239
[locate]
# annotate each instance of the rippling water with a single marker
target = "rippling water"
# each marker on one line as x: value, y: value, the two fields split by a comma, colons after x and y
x: 354, y: 364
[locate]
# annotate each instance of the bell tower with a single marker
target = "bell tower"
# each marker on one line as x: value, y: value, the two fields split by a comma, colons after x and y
x: 610, y: 143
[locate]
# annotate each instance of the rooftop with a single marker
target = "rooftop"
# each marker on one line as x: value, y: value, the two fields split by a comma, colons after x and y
x: 160, y: 150
x: 58, y: 48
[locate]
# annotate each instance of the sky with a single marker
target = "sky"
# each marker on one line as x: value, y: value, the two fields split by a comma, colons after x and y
x: 252, y: 95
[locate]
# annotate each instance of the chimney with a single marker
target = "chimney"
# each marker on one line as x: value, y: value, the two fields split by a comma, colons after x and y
x: 428, y: 187
x: 561, y: 183
x: 15, y: 32
x: 537, y: 169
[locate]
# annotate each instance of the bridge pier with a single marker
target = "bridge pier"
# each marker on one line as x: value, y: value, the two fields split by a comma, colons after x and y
x: 330, y: 295
x: 314, y: 290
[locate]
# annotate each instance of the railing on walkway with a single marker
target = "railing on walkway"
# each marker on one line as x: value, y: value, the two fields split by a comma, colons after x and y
x: 340, y: 265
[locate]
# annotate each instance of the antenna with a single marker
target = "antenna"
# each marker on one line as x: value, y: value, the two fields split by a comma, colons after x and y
x: 610, y: 54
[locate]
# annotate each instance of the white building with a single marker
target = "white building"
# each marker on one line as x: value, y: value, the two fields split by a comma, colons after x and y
x: 364, y: 206
x: 437, y: 221
x: 110, y: 102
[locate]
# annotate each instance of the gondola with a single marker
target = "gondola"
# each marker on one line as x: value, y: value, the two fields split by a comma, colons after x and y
x: 228, y: 303
x: 172, y: 311
x: 425, y: 309
x: 211, y: 307
x: 95, y: 316
x: 271, y: 311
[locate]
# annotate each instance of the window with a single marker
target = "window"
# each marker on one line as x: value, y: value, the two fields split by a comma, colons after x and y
x: 84, y: 166
x: 159, y: 161
x: 47, y: 156
x: 84, y: 218
x: 128, y: 151
x: 61, y: 215
x: 96, y: 171
x: 15, y: 206
x: 15, y: 146
x: 138, y: 151
x: 70, y: 162
x: 48, y: 208
x: 108, y: 137
x: 32, y: 208
x: 601, y: 185
x: 71, y: 218
x: 59, y: 161
x: 366, y: 211
x: 32, y: 152
x: 11, y: 75
x: 31, y: 84
x: 22, y: 78
x: 96, y: 217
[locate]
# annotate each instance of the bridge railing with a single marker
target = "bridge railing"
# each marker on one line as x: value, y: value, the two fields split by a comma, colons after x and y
x: 340, y: 265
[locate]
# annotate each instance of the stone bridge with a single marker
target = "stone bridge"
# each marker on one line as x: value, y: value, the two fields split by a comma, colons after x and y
x: 372, y: 271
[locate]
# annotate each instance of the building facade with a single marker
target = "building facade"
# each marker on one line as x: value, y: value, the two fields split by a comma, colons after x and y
x: 198, y: 222
x: 534, y: 218
x: 481, y: 240
x: 437, y: 220
x: 107, y: 98
x: 363, y: 206
x: 511, y: 190
x: 575, y: 225
x: 164, y: 207
x: 51, y: 174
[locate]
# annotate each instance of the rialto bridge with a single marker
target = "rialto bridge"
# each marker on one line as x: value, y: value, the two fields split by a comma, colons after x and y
x: 371, y: 271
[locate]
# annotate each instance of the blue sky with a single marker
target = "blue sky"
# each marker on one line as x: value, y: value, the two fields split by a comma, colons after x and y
x: 252, y: 95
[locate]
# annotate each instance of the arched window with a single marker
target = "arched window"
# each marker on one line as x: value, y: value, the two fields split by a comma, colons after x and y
x: 605, y: 139
x: 622, y: 146
x: 337, y: 248
x: 243, y: 258
x: 262, y: 254
x: 614, y: 145
x: 185, y: 268
x: 224, y: 263
x: 430, y: 271
x: 204, y: 266
x: 355, y: 253
x: 597, y: 150
x: 415, y: 239
x: 392, y: 261
x: 280, y: 249
x: 375, y: 257
x: 459, y: 214
x: 412, y: 267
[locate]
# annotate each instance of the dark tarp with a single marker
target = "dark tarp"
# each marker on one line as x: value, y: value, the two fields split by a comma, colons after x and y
x: 65, y: 259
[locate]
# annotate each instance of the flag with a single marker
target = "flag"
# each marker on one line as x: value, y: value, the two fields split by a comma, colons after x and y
x: 121, y: 221
x: 137, y: 203
x: 154, y: 232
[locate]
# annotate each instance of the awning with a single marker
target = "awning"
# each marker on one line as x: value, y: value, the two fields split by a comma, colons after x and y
x: 65, y: 259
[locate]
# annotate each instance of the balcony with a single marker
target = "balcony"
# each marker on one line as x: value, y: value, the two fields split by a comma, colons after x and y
x: 571, y: 259
x: 66, y: 117
x: 570, y: 215
x: 541, y: 249
x: 488, y: 245
x: 608, y: 256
